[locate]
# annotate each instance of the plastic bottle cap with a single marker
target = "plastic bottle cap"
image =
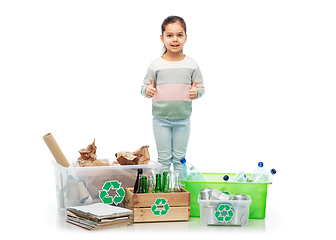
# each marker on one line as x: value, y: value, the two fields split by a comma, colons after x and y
x: 260, y: 164
x: 226, y: 177
x: 183, y: 160
x: 273, y: 171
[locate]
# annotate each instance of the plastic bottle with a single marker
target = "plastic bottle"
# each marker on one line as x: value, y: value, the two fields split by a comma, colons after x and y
x: 239, y: 177
x: 266, y: 177
x: 190, y: 172
x: 258, y: 171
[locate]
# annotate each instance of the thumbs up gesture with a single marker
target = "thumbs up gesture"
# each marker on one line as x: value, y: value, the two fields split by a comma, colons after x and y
x: 151, y: 90
x: 193, y: 91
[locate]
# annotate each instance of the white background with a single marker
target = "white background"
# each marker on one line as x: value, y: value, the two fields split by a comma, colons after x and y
x: 75, y: 68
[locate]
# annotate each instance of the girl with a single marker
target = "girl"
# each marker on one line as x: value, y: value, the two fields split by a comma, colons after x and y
x: 172, y: 81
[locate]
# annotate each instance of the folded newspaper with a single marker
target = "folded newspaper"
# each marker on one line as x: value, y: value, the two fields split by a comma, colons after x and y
x: 98, y: 216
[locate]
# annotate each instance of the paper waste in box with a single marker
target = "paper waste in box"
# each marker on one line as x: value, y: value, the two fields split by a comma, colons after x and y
x: 78, y: 185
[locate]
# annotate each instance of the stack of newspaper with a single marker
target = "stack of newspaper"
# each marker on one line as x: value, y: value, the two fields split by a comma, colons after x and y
x: 98, y: 216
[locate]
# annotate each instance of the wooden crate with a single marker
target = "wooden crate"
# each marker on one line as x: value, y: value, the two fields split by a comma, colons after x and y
x: 152, y: 207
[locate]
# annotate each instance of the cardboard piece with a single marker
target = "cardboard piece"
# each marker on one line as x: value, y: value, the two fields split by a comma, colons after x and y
x: 88, y: 157
x: 143, y: 155
x: 126, y: 158
x: 139, y: 157
x: 98, y: 216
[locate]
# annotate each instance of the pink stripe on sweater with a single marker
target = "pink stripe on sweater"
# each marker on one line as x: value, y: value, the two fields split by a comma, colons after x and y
x: 172, y: 92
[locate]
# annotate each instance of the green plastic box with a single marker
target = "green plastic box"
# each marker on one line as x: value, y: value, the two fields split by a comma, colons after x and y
x: 257, y: 191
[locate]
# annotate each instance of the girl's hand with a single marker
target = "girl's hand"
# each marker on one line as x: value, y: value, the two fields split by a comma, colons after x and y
x: 193, y: 91
x: 150, y: 90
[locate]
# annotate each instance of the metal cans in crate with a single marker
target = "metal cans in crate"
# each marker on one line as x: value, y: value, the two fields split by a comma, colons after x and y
x: 225, y: 212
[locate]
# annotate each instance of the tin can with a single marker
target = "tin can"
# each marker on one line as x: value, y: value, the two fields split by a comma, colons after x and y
x: 239, y: 210
x: 239, y: 196
x: 205, y: 193
x: 218, y: 195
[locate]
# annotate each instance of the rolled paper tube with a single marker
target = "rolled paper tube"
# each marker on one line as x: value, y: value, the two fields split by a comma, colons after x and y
x: 55, y: 150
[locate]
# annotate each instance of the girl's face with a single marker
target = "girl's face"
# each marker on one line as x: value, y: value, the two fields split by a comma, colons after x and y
x: 174, y: 37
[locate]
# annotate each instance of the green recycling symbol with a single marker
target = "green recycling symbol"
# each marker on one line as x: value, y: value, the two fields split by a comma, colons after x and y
x: 158, y: 202
x: 108, y: 185
x: 224, y: 213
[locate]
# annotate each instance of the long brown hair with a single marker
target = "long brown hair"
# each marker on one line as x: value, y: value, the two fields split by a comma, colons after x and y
x: 169, y: 20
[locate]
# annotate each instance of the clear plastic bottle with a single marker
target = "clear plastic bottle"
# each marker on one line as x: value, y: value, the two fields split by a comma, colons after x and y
x: 266, y: 177
x: 190, y: 172
x: 258, y: 171
x: 239, y: 177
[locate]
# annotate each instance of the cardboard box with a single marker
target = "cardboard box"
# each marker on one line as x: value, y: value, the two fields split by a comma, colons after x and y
x: 158, y: 207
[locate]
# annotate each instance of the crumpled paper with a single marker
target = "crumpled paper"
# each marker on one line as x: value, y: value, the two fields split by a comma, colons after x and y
x: 139, y: 157
x: 88, y: 157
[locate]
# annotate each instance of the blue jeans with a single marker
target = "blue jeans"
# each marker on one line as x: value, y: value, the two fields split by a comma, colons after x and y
x: 171, y: 138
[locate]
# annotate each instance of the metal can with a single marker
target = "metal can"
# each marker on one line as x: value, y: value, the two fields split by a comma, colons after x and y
x: 239, y: 196
x: 205, y: 193
x: 218, y: 195
x: 239, y: 210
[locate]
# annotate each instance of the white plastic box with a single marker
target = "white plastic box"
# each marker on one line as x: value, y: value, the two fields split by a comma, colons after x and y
x: 86, y: 185
x: 224, y: 212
